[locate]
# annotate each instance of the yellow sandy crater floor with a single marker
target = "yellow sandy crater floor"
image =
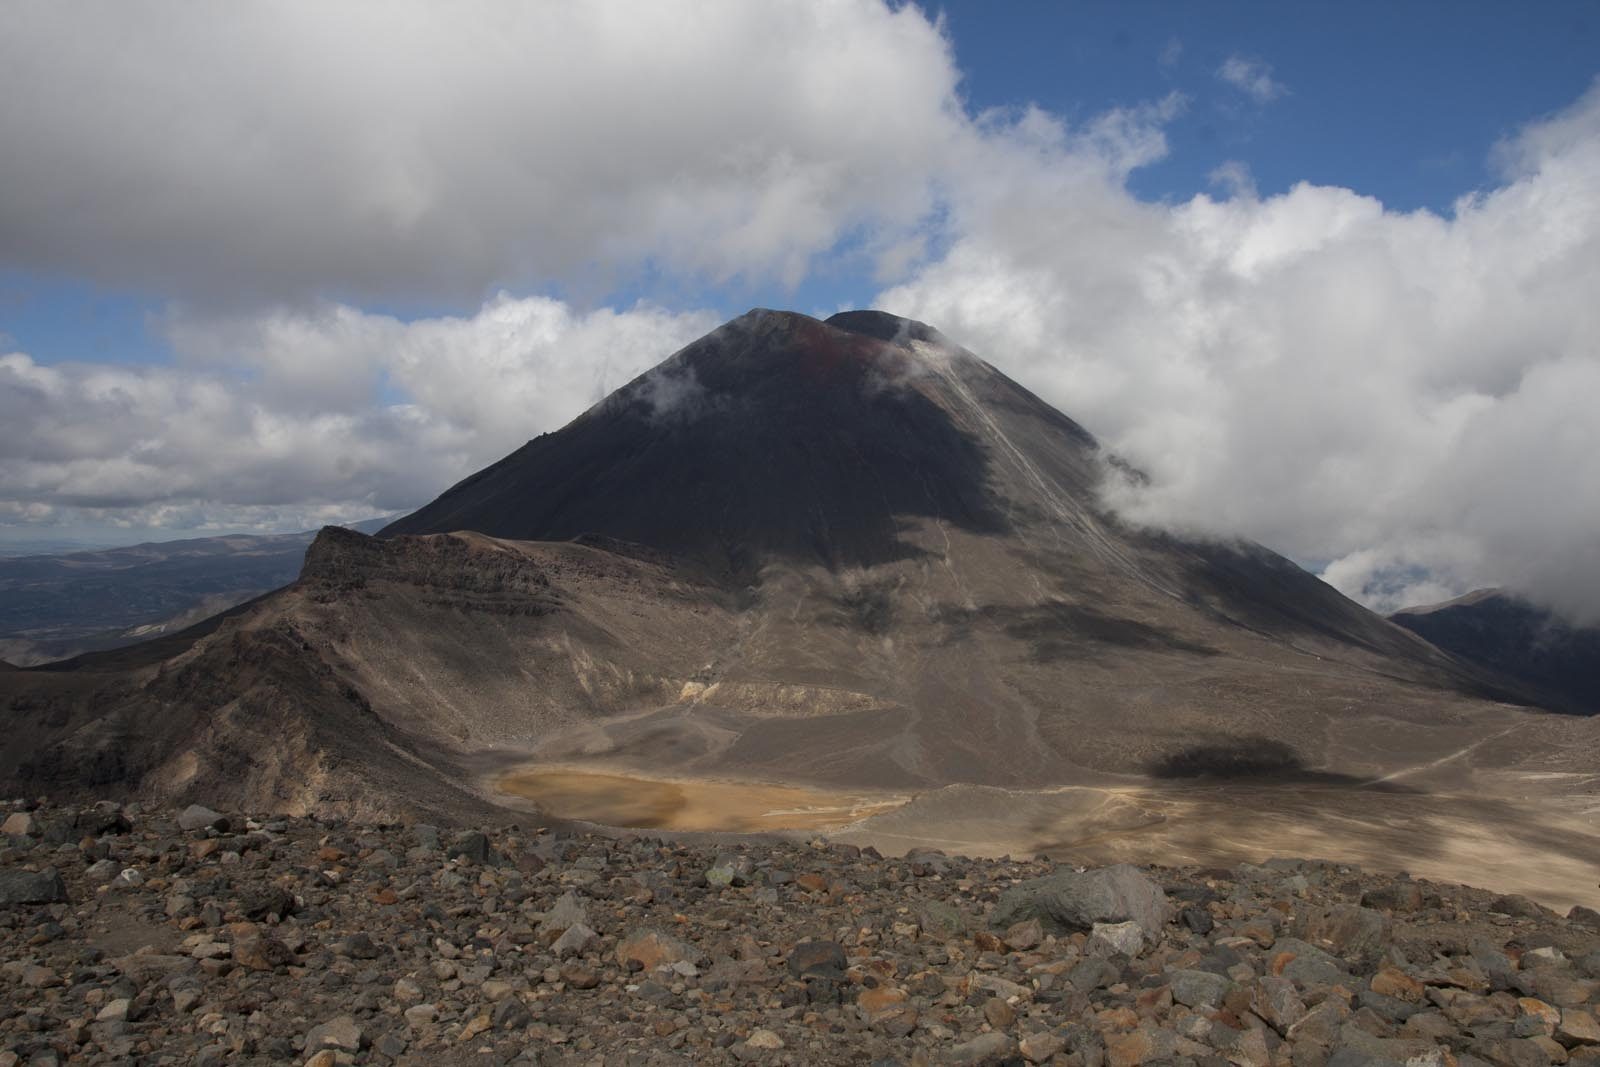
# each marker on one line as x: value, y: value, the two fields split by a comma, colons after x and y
x: 658, y: 804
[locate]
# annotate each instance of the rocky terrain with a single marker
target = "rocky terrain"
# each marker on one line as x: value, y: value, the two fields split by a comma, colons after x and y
x: 173, y: 937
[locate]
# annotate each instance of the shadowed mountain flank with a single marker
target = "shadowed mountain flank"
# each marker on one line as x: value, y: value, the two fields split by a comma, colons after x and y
x: 843, y: 555
x: 1557, y: 662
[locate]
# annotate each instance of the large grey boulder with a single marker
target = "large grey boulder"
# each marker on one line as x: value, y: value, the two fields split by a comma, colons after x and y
x: 29, y: 887
x: 1075, y: 900
x: 200, y: 817
x: 1346, y: 930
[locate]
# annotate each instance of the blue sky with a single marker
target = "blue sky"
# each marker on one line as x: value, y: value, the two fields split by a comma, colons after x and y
x: 1324, y: 271
x: 1402, y: 101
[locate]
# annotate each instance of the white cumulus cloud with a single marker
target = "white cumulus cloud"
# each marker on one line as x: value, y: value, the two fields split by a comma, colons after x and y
x: 392, y: 149
x: 280, y: 420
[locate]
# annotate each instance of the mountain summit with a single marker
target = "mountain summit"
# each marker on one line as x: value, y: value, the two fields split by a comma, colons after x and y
x: 781, y: 437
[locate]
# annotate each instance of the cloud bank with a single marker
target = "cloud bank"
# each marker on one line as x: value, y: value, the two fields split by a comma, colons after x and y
x: 1405, y: 395
x: 394, y: 149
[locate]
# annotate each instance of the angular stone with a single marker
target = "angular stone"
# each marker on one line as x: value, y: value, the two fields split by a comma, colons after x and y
x: 812, y: 883
x: 101, y: 872
x: 651, y: 948
x: 580, y: 976
x: 473, y: 846
x: 393, y: 1044
x: 940, y: 920
x: 1519, y: 906
x: 1197, y: 989
x: 1000, y: 1014
x: 1409, y: 1051
x: 29, y: 887
x: 1393, y: 982
x: 143, y: 967
x: 266, y: 902
x: 1277, y: 1002
x: 1006, y: 989
x: 1543, y: 1018
x: 1401, y: 896
x: 1249, y: 1049
x: 1111, y: 939
x: 1348, y: 930
x: 358, y: 946
x: 114, y: 1011
x: 339, y: 1033
x: 564, y: 913
x: 1141, y: 1046
x: 511, y: 1014
x: 1092, y: 974
x: 37, y: 977
x: 200, y: 817
x: 1511, y: 1052
x: 1075, y: 900
x: 1578, y: 1026
x: 1320, y: 1026
x: 261, y: 954
x: 764, y: 1039
x: 1305, y: 964
x: 1040, y: 1047
x: 574, y: 941
x: 825, y: 958
x: 873, y: 1004
x: 19, y: 824
x: 129, y: 878
x: 992, y: 1046
x: 1020, y: 937
x: 730, y: 869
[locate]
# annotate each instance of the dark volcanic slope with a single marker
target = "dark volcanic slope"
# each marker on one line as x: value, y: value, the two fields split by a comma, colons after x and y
x: 1503, y: 632
x: 774, y: 435
x: 843, y: 553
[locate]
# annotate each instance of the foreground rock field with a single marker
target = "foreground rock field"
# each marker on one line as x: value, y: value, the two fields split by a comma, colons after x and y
x: 141, y: 937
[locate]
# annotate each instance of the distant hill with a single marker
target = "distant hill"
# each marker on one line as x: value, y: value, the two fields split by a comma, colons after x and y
x: 1501, y: 631
x: 59, y: 605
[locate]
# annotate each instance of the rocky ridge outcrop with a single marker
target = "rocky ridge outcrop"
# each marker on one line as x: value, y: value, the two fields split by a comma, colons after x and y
x: 129, y: 939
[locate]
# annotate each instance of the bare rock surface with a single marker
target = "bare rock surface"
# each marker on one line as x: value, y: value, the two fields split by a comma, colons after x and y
x: 317, y: 941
